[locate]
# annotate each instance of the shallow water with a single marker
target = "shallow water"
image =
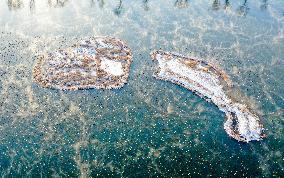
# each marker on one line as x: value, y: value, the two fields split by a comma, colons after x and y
x: 149, y: 127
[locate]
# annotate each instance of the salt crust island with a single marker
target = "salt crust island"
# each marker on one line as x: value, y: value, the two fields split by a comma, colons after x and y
x: 98, y: 62
x: 210, y: 83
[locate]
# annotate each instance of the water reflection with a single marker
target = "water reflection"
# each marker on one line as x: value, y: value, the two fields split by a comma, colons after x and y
x: 216, y: 5
x: 32, y: 5
x: 119, y: 9
x: 15, y: 4
x: 146, y: 5
x: 227, y: 5
x: 243, y: 9
x: 181, y: 3
x: 264, y: 5
x: 101, y: 3
x: 57, y: 3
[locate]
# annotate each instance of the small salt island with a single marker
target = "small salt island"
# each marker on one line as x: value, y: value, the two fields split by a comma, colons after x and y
x: 98, y: 62
x: 210, y: 83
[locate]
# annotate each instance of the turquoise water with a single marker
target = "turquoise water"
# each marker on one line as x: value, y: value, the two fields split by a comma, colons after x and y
x: 148, y: 128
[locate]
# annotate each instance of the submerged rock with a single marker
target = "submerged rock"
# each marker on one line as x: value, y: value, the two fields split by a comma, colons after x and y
x: 99, y: 62
x: 212, y: 84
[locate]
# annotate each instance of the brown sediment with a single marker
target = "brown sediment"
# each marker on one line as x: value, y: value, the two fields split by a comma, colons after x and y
x: 80, y: 66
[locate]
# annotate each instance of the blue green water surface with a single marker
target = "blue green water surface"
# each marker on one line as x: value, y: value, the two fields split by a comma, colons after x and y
x: 149, y: 128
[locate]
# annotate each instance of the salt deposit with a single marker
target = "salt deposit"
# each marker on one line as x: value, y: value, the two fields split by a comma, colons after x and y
x: 100, y: 62
x: 210, y: 83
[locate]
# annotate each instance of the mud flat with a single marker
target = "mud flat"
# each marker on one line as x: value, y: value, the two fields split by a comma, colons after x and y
x: 210, y: 83
x: 98, y: 62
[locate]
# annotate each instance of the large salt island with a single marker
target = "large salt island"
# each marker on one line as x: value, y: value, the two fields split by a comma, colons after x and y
x: 98, y: 62
x: 212, y: 84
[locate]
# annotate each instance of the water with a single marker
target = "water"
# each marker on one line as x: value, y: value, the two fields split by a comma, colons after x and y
x: 148, y: 128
